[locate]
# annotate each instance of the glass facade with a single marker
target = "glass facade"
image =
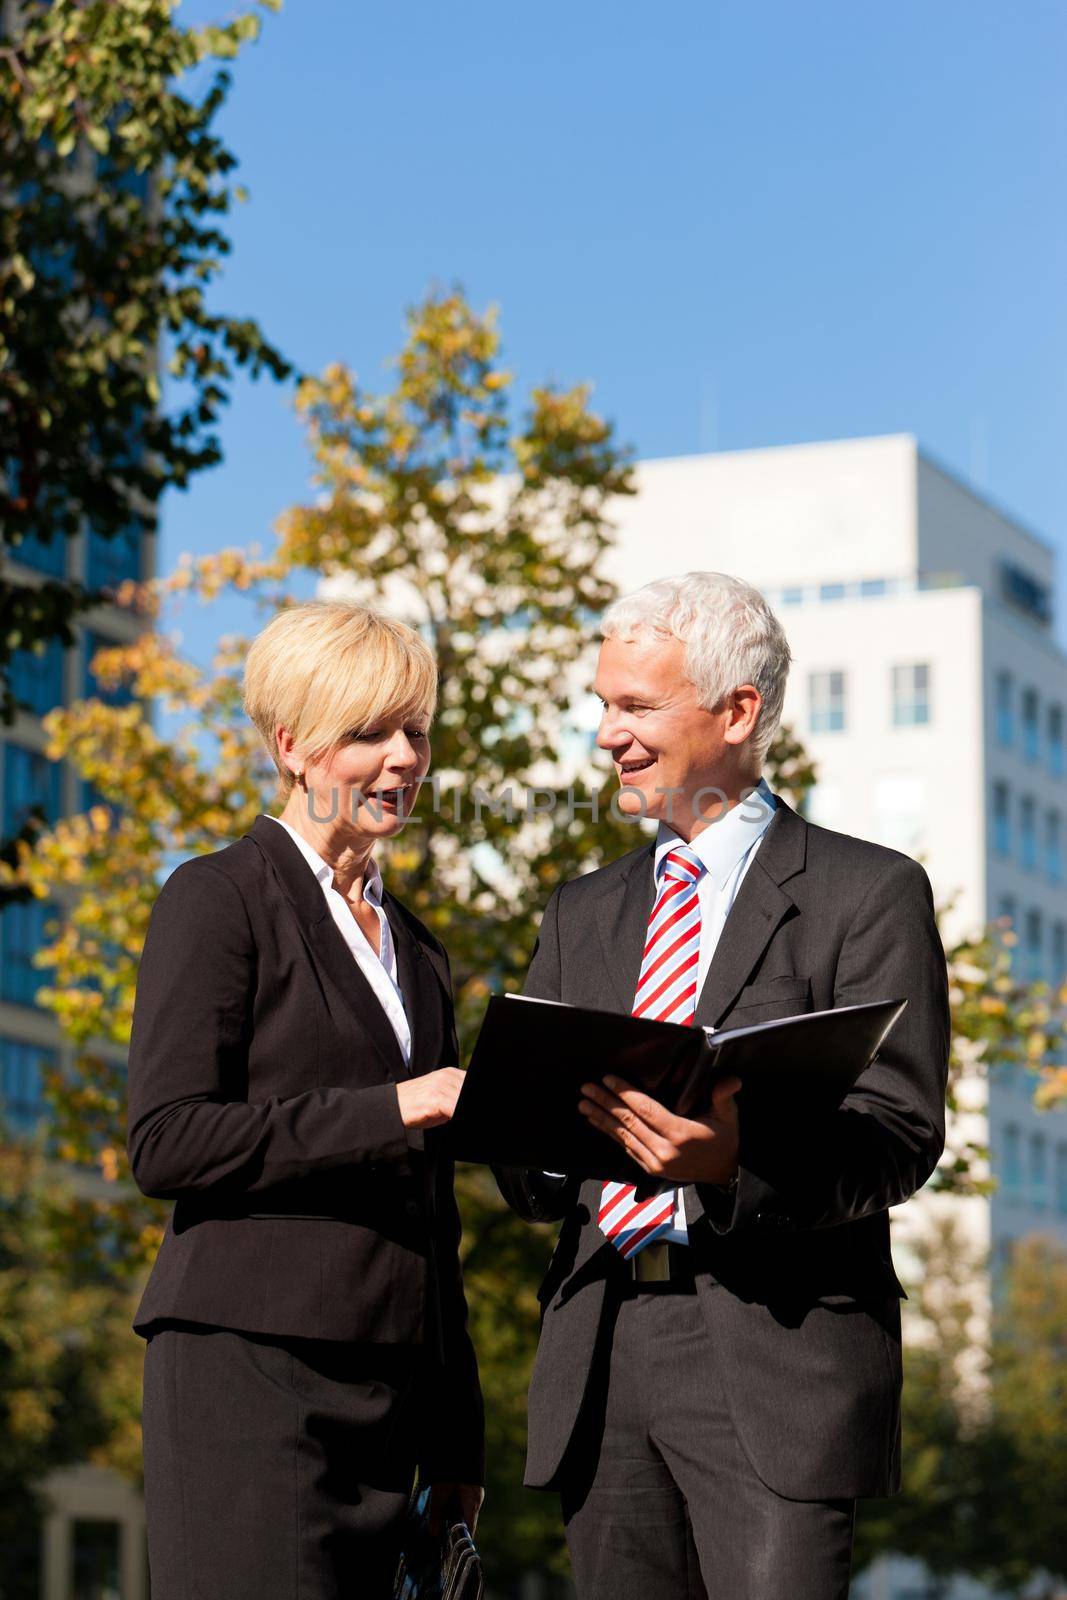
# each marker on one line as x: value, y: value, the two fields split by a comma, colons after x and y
x: 21, y: 1065
x: 37, y: 678
x: 91, y: 686
x: 30, y: 779
x: 22, y: 933
x: 110, y: 562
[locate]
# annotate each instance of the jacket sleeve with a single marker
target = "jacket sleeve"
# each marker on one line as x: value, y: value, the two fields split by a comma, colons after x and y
x: 190, y: 1127
x: 888, y: 1135
x: 535, y: 1196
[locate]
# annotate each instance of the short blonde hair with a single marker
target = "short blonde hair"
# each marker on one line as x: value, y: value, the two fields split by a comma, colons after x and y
x: 329, y: 668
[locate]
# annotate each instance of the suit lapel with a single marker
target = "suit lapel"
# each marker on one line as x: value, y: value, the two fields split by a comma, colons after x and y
x: 326, y: 945
x: 421, y: 989
x: 756, y: 914
x: 622, y: 921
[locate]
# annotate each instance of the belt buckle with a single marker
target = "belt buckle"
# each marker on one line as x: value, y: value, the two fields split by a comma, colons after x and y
x: 653, y: 1263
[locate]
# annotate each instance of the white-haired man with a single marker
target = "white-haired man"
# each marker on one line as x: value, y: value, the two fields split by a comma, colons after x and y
x: 718, y: 1376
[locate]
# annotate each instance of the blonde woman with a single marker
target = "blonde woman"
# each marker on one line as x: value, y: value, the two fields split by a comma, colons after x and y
x: 293, y: 1049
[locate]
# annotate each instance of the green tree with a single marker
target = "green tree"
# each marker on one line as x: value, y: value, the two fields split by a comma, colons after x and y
x: 62, y: 1321
x: 116, y: 187
x: 490, y: 536
x: 985, y: 1422
x: 1027, y: 1460
x: 487, y: 531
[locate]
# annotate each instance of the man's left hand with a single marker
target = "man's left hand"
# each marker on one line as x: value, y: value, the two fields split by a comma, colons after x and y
x: 689, y: 1150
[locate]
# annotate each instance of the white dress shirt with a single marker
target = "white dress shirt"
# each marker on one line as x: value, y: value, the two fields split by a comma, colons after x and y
x: 726, y: 848
x: 379, y: 970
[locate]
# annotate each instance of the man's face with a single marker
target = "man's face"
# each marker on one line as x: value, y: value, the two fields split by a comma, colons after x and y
x: 660, y: 739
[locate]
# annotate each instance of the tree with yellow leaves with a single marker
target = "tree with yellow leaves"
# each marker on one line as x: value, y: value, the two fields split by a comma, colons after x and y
x: 487, y: 533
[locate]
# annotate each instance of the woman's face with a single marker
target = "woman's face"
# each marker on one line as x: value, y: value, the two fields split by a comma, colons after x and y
x: 370, y: 782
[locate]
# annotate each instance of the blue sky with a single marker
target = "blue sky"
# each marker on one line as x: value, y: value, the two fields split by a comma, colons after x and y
x: 747, y: 223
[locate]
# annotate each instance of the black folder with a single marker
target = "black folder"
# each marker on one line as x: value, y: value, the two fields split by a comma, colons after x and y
x: 519, y: 1102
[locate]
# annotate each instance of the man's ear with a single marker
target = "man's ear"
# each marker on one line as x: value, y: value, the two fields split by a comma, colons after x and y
x: 744, y: 706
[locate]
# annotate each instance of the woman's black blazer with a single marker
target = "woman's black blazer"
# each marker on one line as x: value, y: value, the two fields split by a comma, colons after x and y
x: 262, y: 1100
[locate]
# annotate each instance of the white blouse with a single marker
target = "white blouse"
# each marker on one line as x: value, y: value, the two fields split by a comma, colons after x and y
x: 379, y: 971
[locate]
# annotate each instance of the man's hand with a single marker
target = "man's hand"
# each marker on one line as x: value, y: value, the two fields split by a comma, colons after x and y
x: 689, y: 1150
x: 462, y: 1500
x: 429, y: 1101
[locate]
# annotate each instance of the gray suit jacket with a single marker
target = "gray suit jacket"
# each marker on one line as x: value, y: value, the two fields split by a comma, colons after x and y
x: 795, y: 1273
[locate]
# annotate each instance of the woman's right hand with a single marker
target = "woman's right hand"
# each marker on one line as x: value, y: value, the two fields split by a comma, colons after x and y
x: 429, y: 1101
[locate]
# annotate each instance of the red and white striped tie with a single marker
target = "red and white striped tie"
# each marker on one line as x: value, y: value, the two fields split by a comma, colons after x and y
x: 667, y: 992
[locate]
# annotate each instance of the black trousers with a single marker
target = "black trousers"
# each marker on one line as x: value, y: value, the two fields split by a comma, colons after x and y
x: 275, y: 1469
x: 659, y: 1499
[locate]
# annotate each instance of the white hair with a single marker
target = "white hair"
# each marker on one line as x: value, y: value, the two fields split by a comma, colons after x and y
x: 730, y: 633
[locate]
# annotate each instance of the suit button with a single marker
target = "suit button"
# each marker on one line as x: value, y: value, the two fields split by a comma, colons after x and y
x: 412, y: 1208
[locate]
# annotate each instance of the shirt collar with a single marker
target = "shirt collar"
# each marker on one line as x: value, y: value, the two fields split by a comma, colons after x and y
x: 723, y: 844
x: 372, y: 877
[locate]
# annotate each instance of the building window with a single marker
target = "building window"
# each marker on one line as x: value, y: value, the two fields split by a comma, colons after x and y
x: 21, y: 1065
x: 1054, y: 847
x: 50, y: 558
x: 1056, y: 759
x: 826, y: 701
x: 30, y: 780
x: 22, y: 929
x: 1028, y: 833
x: 1061, y: 1179
x: 1026, y: 593
x: 32, y: 551
x: 1031, y: 726
x: 1059, y: 952
x: 911, y: 695
x: 1038, y: 1171
x: 122, y: 695
x: 1011, y: 1162
x: 872, y: 588
x: 112, y: 561
x: 1004, y: 699
x: 37, y: 678
x: 831, y: 591
x: 1001, y: 820
x: 1035, y: 964
x: 94, y: 1550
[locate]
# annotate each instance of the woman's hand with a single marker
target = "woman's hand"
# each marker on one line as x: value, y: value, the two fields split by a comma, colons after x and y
x: 428, y: 1101
x: 462, y: 1500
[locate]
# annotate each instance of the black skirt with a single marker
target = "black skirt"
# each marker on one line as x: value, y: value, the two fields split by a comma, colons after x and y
x: 275, y: 1468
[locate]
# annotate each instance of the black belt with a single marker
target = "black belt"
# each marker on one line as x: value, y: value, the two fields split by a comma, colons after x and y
x: 662, y: 1265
